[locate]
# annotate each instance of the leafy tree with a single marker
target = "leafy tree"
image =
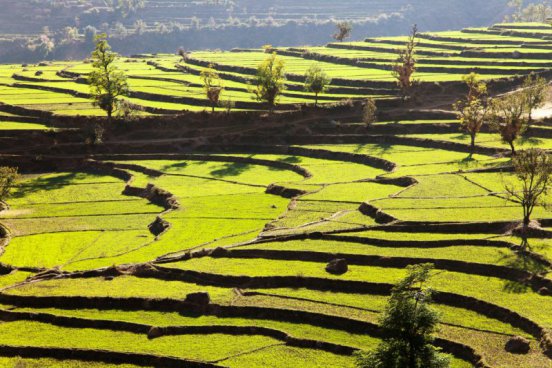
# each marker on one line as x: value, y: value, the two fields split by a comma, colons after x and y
x: 508, y: 117
x: 533, y: 168
x: 316, y: 81
x: 369, y: 113
x: 69, y: 35
x: 533, y: 12
x: 90, y: 34
x: 212, y: 85
x: 473, y: 109
x: 270, y: 80
x: 405, y: 65
x: 108, y: 84
x: 536, y: 90
x: 408, y: 325
x: 518, y: 9
x: 8, y: 177
x: 125, y: 8
x: 344, y: 30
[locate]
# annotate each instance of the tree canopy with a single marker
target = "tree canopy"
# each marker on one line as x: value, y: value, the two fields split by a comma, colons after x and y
x: 108, y: 84
x: 316, y: 81
x: 270, y: 80
x: 408, y: 325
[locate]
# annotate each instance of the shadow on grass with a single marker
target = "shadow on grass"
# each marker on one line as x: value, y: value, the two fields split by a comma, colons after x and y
x: 379, y: 148
x: 521, y: 260
x: 177, y: 165
x: 290, y: 160
x: 531, y: 141
x: 231, y: 169
x: 46, y: 184
x: 461, y: 137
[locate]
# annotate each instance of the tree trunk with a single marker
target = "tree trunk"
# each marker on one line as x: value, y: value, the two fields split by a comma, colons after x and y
x: 512, y: 148
x: 526, y: 220
x: 411, y: 356
x: 316, y: 100
x: 213, y: 108
x: 472, y: 146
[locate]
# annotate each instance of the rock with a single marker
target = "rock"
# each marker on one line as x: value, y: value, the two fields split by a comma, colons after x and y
x: 219, y: 252
x: 316, y: 235
x: 159, y: 226
x: 518, y: 345
x: 154, y: 333
x: 200, y: 298
x: 544, y: 291
x: 337, y: 267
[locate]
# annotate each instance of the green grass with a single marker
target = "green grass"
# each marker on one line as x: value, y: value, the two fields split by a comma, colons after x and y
x: 198, y: 347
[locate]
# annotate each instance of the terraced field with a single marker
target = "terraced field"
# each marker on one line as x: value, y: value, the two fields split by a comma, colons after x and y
x: 101, y: 252
x: 164, y: 84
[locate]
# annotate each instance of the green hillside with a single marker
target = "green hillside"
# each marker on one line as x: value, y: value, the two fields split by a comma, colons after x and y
x: 101, y: 247
x: 164, y: 84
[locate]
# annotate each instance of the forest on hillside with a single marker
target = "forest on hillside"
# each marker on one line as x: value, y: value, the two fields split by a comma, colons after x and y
x: 59, y: 29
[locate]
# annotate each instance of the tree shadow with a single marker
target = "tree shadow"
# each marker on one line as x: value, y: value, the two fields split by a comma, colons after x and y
x: 290, y: 159
x: 379, y: 148
x: 231, y: 169
x: 46, y: 184
x: 177, y: 165
x: 533, y: 141
x: 523, y: 261
x: 461, y: 137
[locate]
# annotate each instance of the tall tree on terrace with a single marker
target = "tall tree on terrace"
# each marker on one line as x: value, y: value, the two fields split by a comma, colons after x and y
x: 316, y: 81
x: 212, y: 85
x: 343, y: 32
x: 408, y: 325
x: 535, y: 89
x: 405, y: 65
x: 473, y: 109
x: 533, y: 168
x: 508, y: 117
x: 107, y: 82
x: 8, y: 177
x: 270, y: 80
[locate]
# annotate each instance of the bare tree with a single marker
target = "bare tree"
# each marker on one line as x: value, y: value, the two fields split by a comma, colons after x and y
x: 473, y: 109
x: 405, y: 65
x: 508, y: 117
x: 533, y: 168
x: 344, y: 30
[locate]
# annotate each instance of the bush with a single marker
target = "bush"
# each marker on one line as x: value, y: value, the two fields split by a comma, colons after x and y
x: 8, y: 177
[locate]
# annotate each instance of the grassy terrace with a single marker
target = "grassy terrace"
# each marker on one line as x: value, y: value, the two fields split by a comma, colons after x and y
x: 166, y: 84
x: 69, y: 222
x: 228, y: 207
